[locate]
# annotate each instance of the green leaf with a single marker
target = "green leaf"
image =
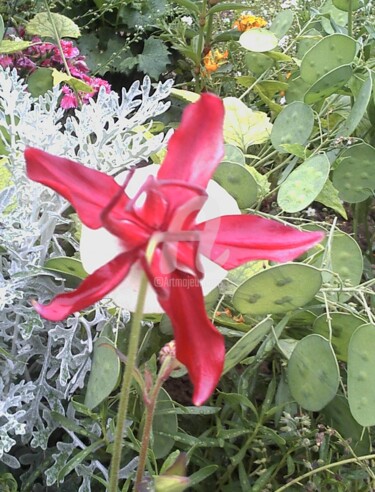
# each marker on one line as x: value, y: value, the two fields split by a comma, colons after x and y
x: 304, y: 184
x: 220, y: 7
x: 243, y: 126
x: 154, y: 58
x: 238, y: 182
x: 313, y: 373
x: 40, y: 81
x: 278, y: 56
x: 329, y: 84
x: 60, y: 27
x: 164, y: 421
x: 202, y: 474
x: 78, y: 458
x: 361, y: 367
x: 7, y: 46
x: 328, y: 54
x: 68, y: 268
x: 343, y: 258
x: 278, y: 289
x: 337, y: 415
x: 346, y: 5
x: 188, y: 4
x: 293, y: 125
x: 186, y: 96
x: 258, y: 40
x: 295, y: 149
x: 355, y: 175
x: 76, y: 84
x: 104, y: 373
x: 358, y: 110
x: 8, y: 483
x: 247, y: 343
x: 282, y: 23
x: 69, y: 424
x: 339, y: 328
x: 329, y: 197
x: 143, y: 14
x: 257, y: 63
x: 2, y: 28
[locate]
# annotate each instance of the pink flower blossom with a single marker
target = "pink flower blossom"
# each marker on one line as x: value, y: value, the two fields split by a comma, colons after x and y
x: 69, y: 50
x: 69, y: 99
x: 6, y: 61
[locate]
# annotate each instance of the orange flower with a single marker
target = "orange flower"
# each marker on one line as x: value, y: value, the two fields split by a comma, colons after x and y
x: 247, y: 21
x: 214, y: 59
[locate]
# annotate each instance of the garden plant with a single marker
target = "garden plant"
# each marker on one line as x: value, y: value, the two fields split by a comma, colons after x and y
x: 187, y: 245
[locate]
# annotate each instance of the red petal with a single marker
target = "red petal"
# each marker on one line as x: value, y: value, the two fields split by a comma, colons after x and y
x: 233, y: 240
x: 196, y: 148
x: 88, y: 190
x: 199, y: 346
x: 91, y: 290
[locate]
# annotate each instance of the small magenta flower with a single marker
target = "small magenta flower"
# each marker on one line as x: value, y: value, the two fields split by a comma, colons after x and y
x: 163, y: 227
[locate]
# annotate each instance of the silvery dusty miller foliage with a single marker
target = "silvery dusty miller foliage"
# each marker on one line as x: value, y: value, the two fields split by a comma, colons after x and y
x: 43, y: 364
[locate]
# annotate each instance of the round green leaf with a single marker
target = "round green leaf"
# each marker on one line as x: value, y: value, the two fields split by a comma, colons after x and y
x: 282, y: 23
x: 343, y: 326
x: 40, y: 81
x: 329, y: 84
x: 243, y: 126
x: 238, y: 182
x: 297, y: 89
x: 48, y: 25
x: 306, y: 41
x: 233, y: 154
x: 345, y: 5
x: 304, y: 184
x: 344, y: 260
x: 313, y: 373
x: 258, y: 63
x: 361, y: 370
x: 278, y: 289
x: 337, y: 415
x: 104, y: 373
x: 329, y: 53
x: 355, y: 176
x: 292, y: 126
x: 258, y: 40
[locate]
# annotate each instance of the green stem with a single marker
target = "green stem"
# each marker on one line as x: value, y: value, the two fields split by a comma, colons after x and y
x: 58, y: 41
x: 57, y: 38
x: 210, y: 20
x: 126, y: 384
x: 167, y: 367
x: 350, y: 18
x: 200, y: 45
x: 324, y: 468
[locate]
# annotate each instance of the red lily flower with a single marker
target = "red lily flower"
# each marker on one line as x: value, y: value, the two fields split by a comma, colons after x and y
x: 158, y: 227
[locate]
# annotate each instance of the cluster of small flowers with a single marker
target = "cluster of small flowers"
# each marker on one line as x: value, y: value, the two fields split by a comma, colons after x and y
x: 249, y: 21
x: 213, y: 60
x: 47, y: 55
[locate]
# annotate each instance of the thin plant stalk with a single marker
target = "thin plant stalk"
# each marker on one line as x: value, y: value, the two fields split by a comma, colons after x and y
x: 150, y: 402
x: 126, y: 385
